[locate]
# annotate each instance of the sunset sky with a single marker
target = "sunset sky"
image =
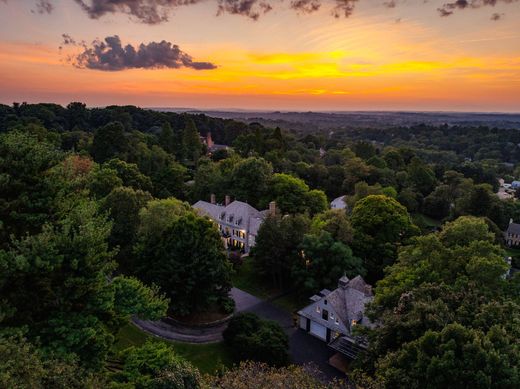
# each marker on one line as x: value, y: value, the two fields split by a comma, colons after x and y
x: 263, y: 54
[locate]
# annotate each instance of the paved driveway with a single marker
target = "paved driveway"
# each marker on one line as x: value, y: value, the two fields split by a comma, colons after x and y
x: 303, y: 348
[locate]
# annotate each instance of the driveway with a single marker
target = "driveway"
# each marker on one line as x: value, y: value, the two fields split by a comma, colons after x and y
x: 303, y: 348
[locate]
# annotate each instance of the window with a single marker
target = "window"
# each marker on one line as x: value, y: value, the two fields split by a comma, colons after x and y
x: 318, y: 309
x: 325, y: 302
x: 332, y: 315
x: 337, y: 321
x: 325, y: 314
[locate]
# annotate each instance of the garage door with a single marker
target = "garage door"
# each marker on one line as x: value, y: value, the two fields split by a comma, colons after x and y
x: 318, y: 330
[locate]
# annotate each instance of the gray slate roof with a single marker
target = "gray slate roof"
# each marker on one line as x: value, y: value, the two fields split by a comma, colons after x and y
x: 246, y: 215
x: 348, y: 303
x: 338, y: 203
x: 513, y: 228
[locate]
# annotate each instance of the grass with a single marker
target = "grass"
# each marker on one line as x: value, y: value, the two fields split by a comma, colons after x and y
x: 246, y: 278
x: 206, y: 357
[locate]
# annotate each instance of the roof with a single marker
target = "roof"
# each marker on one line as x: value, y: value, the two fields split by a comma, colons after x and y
x: 237, y: 213
x: 348, y: 302
x: 513, y: 228
x: 338, y: 203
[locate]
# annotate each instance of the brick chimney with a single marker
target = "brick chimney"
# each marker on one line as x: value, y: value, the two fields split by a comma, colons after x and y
x: 343, y: 282
x: 209, y: 140
x: 227, y: 200
x: 272, y: 208
x: 213, y: 199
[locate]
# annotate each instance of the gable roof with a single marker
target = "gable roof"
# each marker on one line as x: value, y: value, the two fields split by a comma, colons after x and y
x: 338, y: 203
x: 348, y: 303
x: 513, y: 228
x: 236, y: 212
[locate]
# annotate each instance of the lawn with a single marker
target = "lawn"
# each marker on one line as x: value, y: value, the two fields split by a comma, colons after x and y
x: 246, y: 278
x: 206, y: 357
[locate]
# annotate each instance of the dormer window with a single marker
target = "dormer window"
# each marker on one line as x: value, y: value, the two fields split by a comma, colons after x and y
x: 337, y: 321
x: 332, y: 315
x: 230, y: 219
x: 318, y: 309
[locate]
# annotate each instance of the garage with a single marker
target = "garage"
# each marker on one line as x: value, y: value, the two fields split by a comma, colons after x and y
x: 318, y: 330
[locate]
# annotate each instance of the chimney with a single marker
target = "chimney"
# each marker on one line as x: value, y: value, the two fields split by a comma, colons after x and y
x: 209, y: 140
x: 343, y: 282
x: 213, y: 199
x: 227, y: 200
x: 511, y: 221
x: 272, y: 208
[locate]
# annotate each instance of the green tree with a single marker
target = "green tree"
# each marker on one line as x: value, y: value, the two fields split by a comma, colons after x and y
x: 336, y: 223
x: 380, y: 225
x: 25, y: 199
x: 251, y: 338
x: 277, y: 247
x: 109, y: 141
x: 130, y: 175
x: 323, y: 262
x: 102, y: 181
x: 292, y: 195
x: 55, y: 286
x: 123, y: 205
x: 188, y: 263
x: 250, y: 179
x: 157, y: 215
x: 191, y: 141
x: 155, y: 366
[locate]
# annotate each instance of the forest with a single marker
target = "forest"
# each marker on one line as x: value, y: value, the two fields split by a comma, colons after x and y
x: 96, y: 227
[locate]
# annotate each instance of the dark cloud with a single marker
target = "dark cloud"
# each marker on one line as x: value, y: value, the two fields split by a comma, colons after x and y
x: 390, y: 4
x: 449, y: 8
x: 306, y: 6
x: 344, y: 8
x: 496, y: 16
x: 110, y: 55
x: 158, y: 11
x: 44, y: 6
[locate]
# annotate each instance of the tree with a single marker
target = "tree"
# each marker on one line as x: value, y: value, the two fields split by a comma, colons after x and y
x: 259, y: 375
x: 188, y: 263
x: 123, y: 205
x: 191, y: 141
x: 130, y: 175
x: 277, y: 247
x: 251, y: 338
x: 167, y: 139
x: 380, y: 225
x: 55, y: 285
x: 109, y: 141
x: 157, y: 215
x: 154, y: 365
x: 456, y: 357
x: 336, y: 223
x: 25, y: 201
x: 102, y: 181
x: 292, y: 195
x: 323, y: 262
x: 250, y: 179
x: 168, y: 181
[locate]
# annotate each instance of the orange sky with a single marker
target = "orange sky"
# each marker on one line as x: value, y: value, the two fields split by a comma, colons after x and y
x: 405, y: 58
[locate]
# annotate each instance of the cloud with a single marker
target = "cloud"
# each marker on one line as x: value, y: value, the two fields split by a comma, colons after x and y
x: 44, y: 6
x: 496, y: 16
x: 159, y: 11
x: 449, y: 8
x: 110, y: 55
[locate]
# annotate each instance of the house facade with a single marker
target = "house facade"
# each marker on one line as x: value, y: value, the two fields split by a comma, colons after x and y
x: 512, y: 234
x: 332, y: 315
x: 338, y: 203
x: 238, y: 222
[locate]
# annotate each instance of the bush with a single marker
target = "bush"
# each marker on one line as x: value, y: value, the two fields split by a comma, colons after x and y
x: 228, y: 305
x: 251, y: 338
x: 236, y: 259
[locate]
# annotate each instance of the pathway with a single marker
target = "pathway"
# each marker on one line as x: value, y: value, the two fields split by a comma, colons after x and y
x: 303, y: 348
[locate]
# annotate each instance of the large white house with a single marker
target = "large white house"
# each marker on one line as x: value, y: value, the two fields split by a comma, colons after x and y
x: 238, y: 222
x: 332, y: 315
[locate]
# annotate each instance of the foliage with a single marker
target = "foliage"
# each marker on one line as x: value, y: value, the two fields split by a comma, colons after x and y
x: 380, y: 225
x: 262, y: 376
x: 323, y: 262
x: 155, y: 366
x: 251, y: 338
x: 188, y: 263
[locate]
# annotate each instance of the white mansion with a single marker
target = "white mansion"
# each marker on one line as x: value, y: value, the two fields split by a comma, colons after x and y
x: 237, y: 221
